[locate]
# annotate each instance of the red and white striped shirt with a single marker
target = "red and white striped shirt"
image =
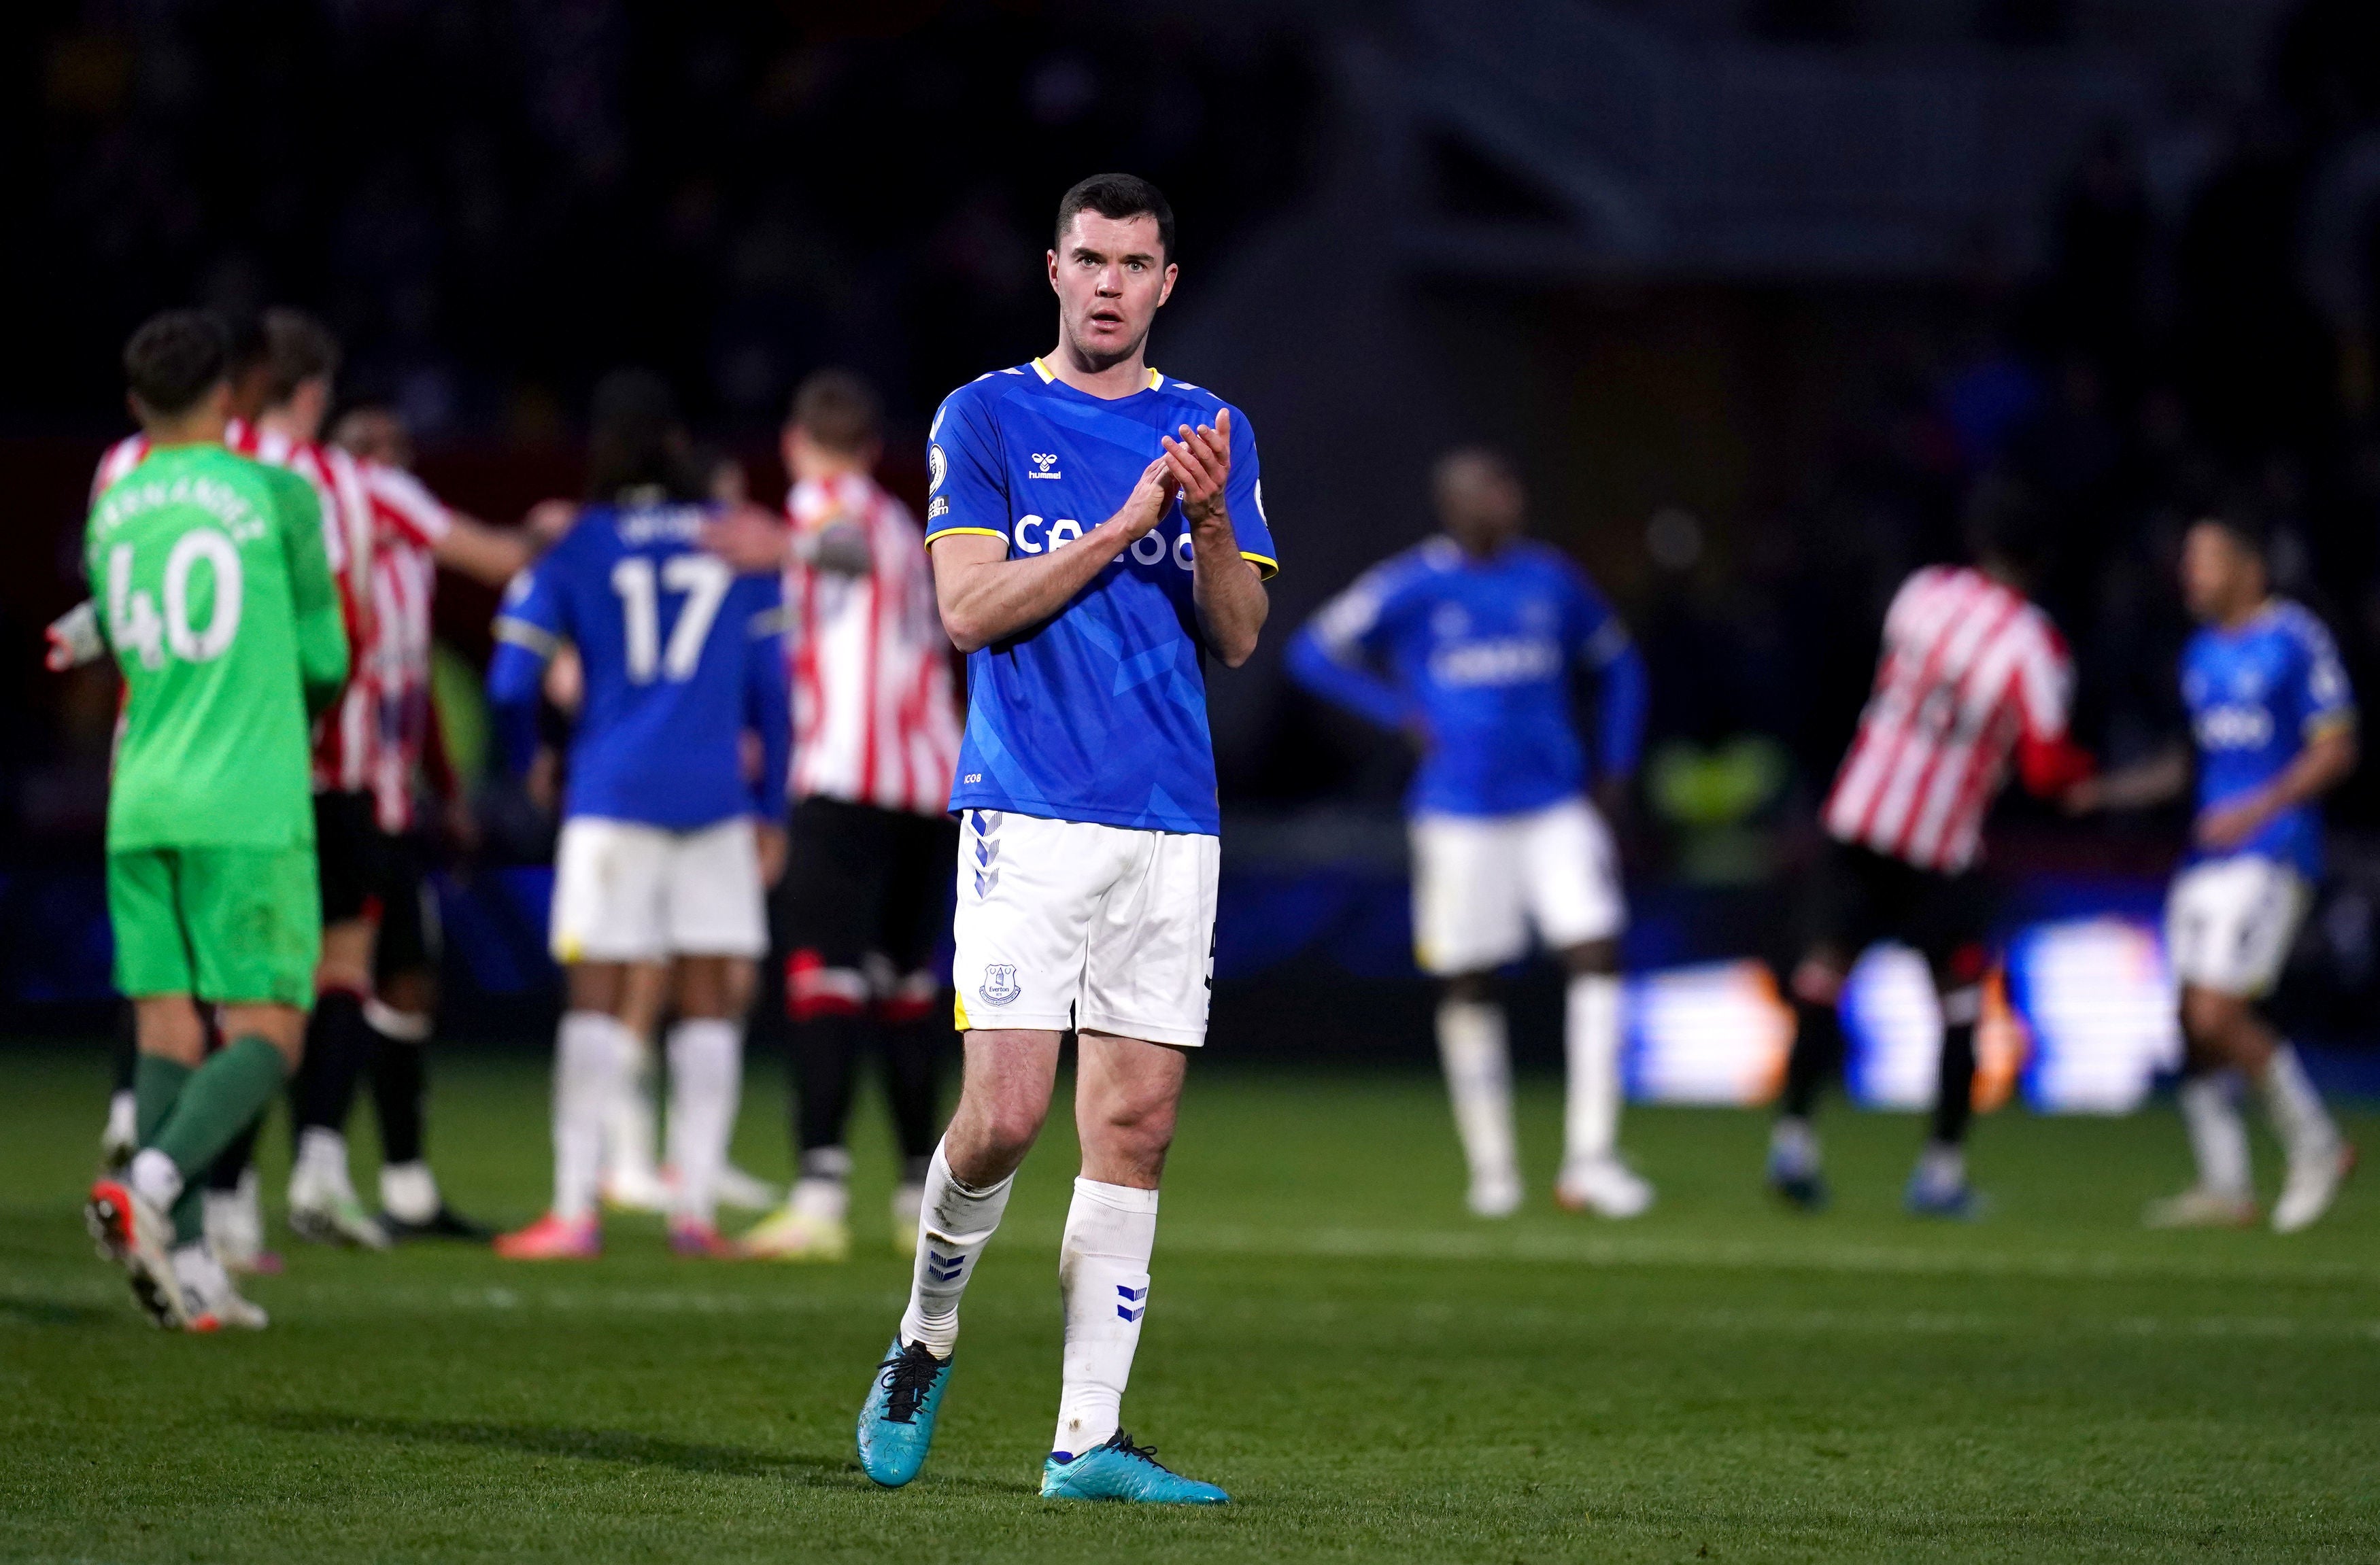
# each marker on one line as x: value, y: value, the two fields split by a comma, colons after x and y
x: 1970, y: 671
x: 343, y: 741
x: 409, y: 523
x: 875, y: 707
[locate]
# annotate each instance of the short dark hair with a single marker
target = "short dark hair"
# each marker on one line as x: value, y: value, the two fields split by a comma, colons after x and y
x: 1478, y: 454
x: 634, y: 440
x: 174, y: 358
x: 2005, y: 521
x: 2245, y: 520
x: 297, y: 348
x: 1117, y: 196
x: 837, y: 409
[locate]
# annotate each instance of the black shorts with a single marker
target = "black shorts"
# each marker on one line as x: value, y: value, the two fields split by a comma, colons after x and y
x: 411, y: 939
x: 380, y: 875
x: 348, y: 841
x: 1858, y: 897
x: 861, y: 880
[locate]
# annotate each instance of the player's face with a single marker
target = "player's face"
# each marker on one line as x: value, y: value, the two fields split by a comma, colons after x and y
x: 2219, y: 577
x: 1480, y: 504
x: 1110, y: 274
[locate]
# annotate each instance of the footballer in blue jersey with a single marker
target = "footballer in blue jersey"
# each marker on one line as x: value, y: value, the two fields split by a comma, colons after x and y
x: 1099, y: 539
x: 665, y: 826
x: 1473, y: 643
x: 2272, y: 725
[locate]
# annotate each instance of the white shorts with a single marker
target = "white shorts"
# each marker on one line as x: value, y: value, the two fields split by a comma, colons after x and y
x: 1480, y: 881
x: 625, y: 891
x: 1064, y: 924
x: 2228, y: 924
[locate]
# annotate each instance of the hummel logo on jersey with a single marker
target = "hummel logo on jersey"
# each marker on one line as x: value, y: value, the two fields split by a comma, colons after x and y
x: 1135, y: 1303
x: 1000, y: 985
x: 1041, y: 460
x: 943, y: 1269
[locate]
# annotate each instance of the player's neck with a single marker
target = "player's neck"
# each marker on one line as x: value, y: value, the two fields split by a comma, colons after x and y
x: 1109, y: 382
x: 165, y: 434
x: 826, y: 469
x: 2246, y: 614
x: 285, y: 423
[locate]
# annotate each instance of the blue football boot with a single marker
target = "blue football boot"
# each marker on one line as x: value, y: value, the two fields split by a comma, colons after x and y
x: 1932, y: 1197
x: 1120, y: 1470
x: 1798, y: 1182
x: 897, y: 1422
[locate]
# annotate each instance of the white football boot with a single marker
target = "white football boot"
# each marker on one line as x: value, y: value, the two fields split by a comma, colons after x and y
x: 2312, y: 1186
x: 1605, y: 1186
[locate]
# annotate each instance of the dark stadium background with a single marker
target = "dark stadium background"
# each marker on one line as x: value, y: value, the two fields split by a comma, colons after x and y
x: 1757, y: 289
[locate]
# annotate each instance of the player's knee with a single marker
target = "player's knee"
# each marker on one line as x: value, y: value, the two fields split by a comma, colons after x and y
x: 1817, y: 980
x: 1592, y: 957
x: 2209, y: 1018
x: 1471, y: 989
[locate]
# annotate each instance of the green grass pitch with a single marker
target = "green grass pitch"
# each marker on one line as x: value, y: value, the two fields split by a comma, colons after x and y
x: 1372, y: 1374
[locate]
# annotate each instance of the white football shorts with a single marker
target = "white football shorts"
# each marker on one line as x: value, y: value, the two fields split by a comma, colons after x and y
x: 1065, y: 924
x: 1481, y: 881
x: 625, y: 891
x: 2229, y: 923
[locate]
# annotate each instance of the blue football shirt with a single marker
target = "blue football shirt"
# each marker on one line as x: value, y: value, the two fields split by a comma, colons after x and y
x: 1480, y: 653
x: 1098, y: 714
x: 2256, y: 696
x: 683, y: 657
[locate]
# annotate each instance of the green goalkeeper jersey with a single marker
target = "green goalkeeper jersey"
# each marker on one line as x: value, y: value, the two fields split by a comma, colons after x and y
x: 218, y: 604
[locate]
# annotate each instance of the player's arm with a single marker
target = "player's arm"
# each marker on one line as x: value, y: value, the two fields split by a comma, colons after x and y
x: 768, y: 705
x: 1600, y: 643
x: 986, y: 596
x: 753, y: 540
x: 74, y: 639
x: 1227, y: 587
x: 769, y: 714
x: 2160, y: 779
x: 314, y: 601
x: 491, y: 555
x: 1331, y: 655
x: 530, y: 628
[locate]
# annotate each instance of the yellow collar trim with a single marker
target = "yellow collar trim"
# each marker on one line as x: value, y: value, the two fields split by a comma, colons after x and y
x: 1156, y: 380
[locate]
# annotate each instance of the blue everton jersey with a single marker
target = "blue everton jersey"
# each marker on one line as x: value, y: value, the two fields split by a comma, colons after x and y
x: 1100, y: 713
x: 1479, y: 654
x: 2256, y: 694
x: 683, y: 657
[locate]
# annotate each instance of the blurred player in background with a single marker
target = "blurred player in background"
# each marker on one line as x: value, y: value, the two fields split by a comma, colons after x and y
x: 660, y: 856
x: 2274, y: 725
x: 1098, y: 533
x: 413, y: 535
x: 1480, y: 633
x: 1971, y: 673
x: 222, y: 618
x: 867, y: 876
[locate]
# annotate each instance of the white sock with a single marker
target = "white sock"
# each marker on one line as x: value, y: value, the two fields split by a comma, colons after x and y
x: 409, y: 1192
x: 123, y: 1120
x: 952, y: 1227
x: 405, y: 1026
x: 322, y: 1161
x: 154, y: 1179
x: 629, y: 1121
x: 590, y: 1047
x: 2219, y: 1137
x: 706, y: 1065
x: 1480, y: 1079
x: 1103, y: 1275
x: 1591, y: 1038
x: 2299, y: 1117
x: 829, y: 1200
x: 1942, y: 1165
x: 1792, y: 1142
